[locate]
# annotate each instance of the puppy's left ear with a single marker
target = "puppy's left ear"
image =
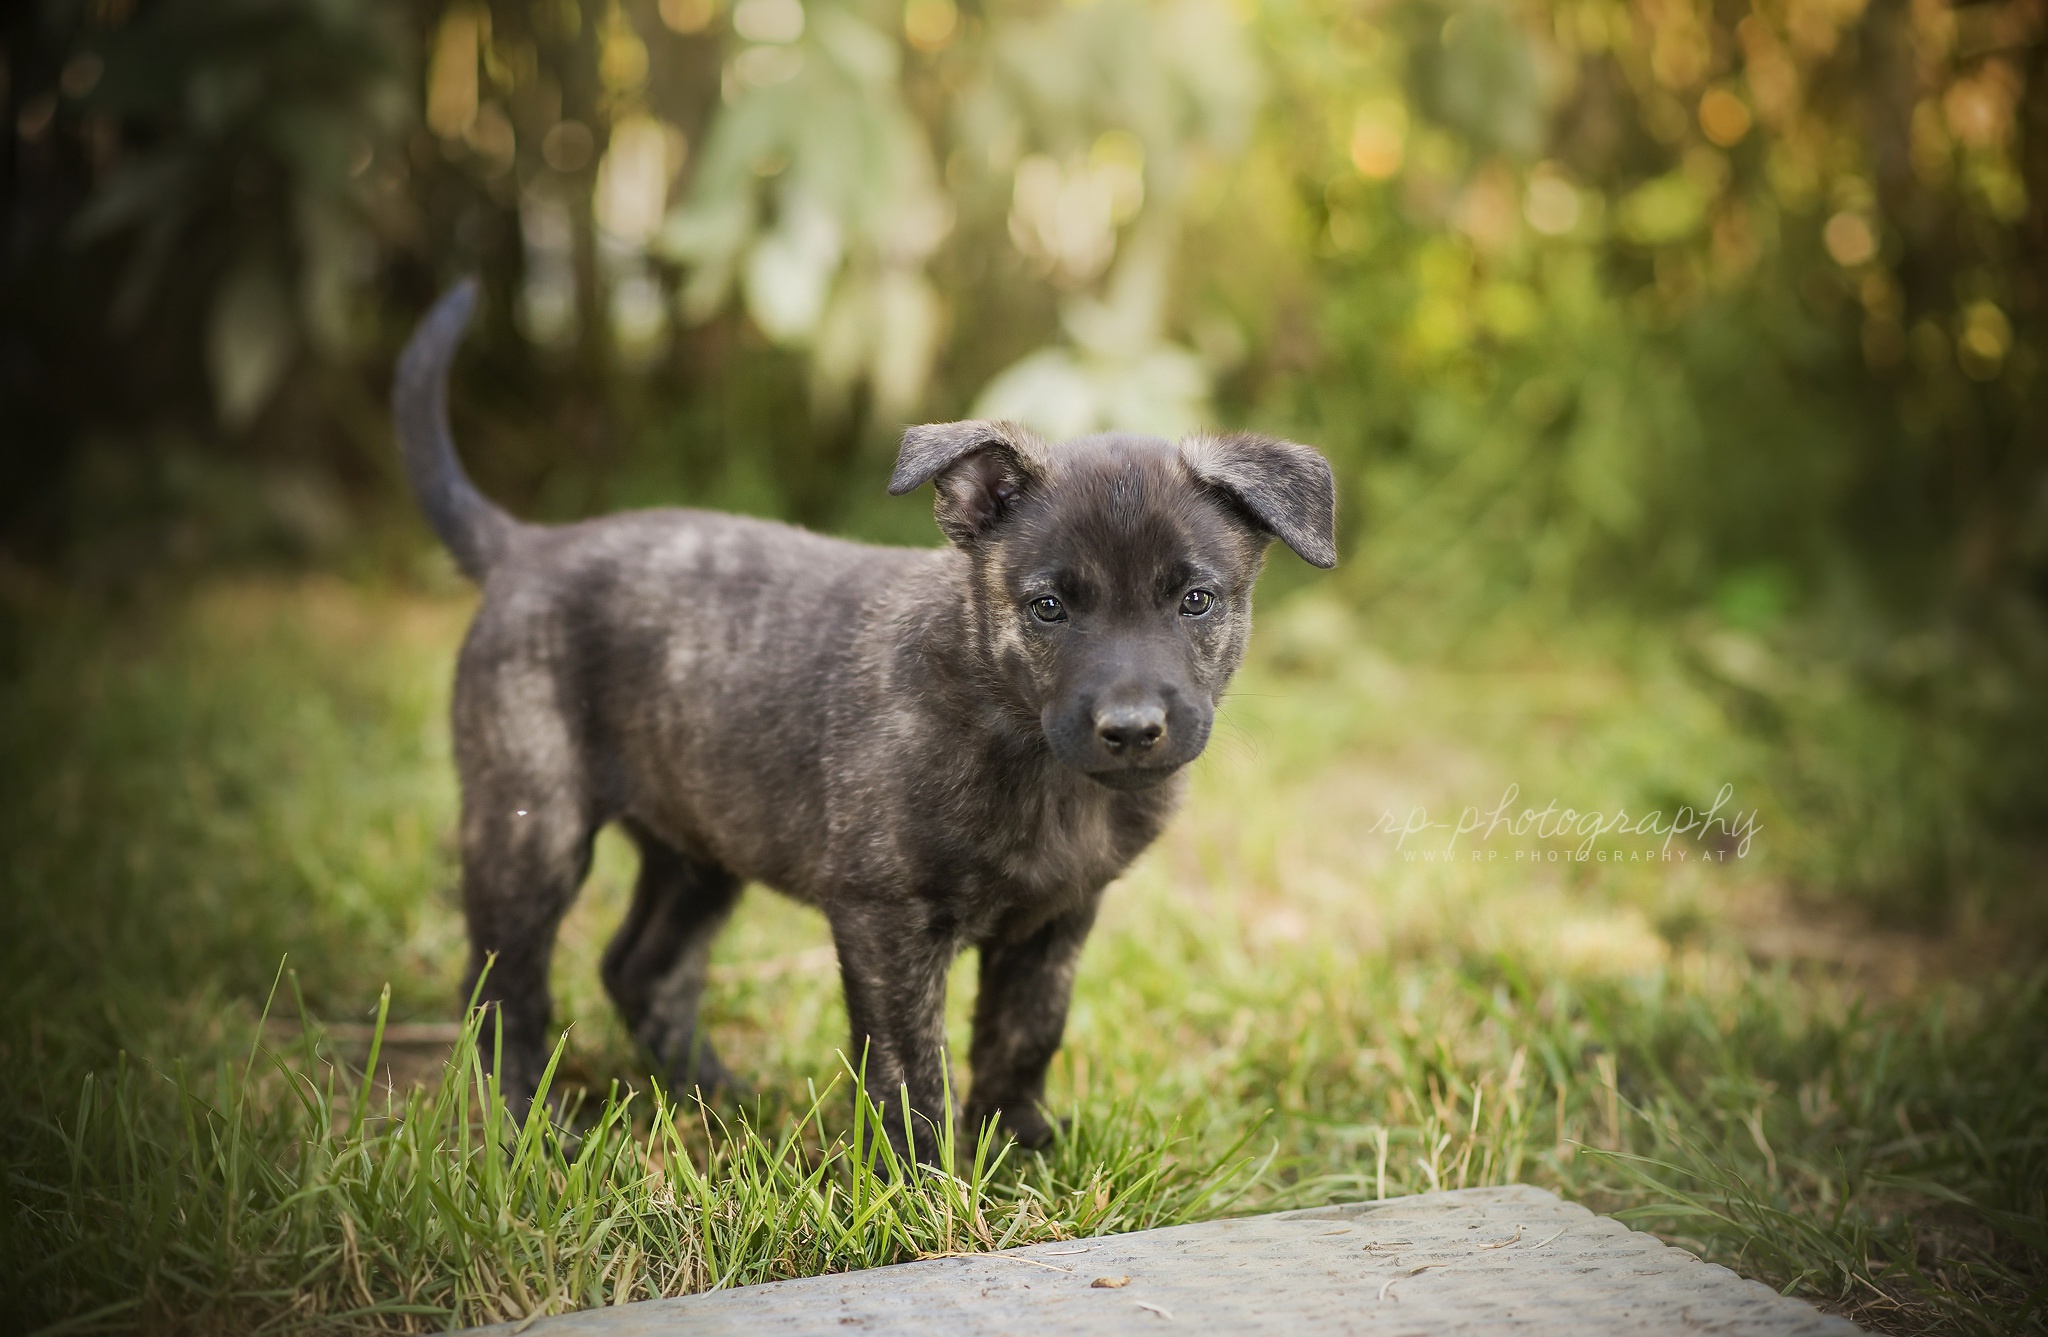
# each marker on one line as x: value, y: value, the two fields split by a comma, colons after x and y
x: 1286, y: 489
x: 980, y: 469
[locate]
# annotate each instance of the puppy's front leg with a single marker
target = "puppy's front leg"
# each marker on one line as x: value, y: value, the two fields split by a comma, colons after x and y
x: 1020, y: 1013
x: 893, y: 966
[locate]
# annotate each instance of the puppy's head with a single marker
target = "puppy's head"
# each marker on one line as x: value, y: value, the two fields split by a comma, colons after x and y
x: 1113, y: 574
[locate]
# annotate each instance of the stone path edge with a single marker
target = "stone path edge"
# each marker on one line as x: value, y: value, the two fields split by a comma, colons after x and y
x: 1515, y: 1259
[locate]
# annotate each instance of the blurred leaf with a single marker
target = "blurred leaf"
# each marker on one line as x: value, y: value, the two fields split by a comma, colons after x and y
x: 249, y: 342
x: 790, y: 270
x: 146, y: 189
x: 816, y: 183
x: 1665, y: 210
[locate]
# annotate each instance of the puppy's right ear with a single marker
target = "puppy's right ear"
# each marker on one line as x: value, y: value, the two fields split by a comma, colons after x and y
x: 980, y: 469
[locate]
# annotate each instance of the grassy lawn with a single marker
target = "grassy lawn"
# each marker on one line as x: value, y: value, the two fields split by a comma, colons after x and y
x: 1286, y: 1001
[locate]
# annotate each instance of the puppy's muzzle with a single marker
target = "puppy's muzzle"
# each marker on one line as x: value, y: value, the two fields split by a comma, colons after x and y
x: 1129, y: 732
x: 1131, y: 736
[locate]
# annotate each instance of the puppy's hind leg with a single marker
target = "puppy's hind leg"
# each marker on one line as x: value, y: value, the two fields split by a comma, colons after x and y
x: 524, y: 854
x: 656, y: 964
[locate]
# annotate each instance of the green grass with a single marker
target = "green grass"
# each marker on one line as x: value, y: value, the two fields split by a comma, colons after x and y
x: 1281, y: 1005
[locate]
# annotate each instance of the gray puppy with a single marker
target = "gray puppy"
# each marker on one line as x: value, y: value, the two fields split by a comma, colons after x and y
x: 937, y: 748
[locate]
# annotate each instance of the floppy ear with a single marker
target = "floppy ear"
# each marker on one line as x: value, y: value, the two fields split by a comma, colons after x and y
x: 1286, y: 489
x: 980, y: 469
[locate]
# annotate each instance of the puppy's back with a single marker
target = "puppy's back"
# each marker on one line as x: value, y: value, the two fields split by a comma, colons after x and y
x: 696, y: 662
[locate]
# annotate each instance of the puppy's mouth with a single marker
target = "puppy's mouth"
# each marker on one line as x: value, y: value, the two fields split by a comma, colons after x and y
x: 1134, y: 777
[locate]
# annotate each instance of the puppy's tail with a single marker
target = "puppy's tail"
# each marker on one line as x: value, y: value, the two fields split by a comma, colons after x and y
x: 476, y: 532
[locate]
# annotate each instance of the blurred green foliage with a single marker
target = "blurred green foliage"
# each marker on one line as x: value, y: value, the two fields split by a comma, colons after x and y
x: 1685, y: 298
x: 1725, y: 314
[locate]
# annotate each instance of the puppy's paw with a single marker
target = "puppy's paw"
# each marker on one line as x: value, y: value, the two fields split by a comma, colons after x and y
x: 1049, y: 1131
x: 1027, y: 1126
x: 707, y: 1080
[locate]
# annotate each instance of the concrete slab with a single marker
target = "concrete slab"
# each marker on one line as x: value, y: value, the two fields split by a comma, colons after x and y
x: 1489, y: 1260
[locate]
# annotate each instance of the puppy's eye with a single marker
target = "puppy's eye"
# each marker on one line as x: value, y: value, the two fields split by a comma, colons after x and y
x: 1048, y: 609
x: 1196, y: 603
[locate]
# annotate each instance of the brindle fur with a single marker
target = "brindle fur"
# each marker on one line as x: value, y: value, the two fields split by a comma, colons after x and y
x: 888, y: 734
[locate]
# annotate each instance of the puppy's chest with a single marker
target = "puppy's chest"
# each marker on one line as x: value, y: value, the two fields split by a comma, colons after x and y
x: 1047, y: 841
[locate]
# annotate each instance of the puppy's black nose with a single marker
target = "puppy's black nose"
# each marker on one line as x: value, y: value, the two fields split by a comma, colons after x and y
x: 1130, y: 728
